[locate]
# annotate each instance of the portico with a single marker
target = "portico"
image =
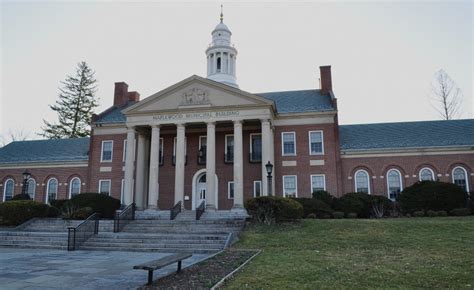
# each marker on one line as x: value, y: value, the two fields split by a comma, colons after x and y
x: 197, y: 114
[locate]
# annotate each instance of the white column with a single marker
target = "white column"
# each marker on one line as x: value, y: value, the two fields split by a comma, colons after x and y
x: 153, y: 185
x: 214, y: 63
x: 266, y: 143
x: 179, y: 165
x: 228, y: 63
x: 271, y: 158
x: 211, y: 166
x: 140, y: 173
x: 129, y: 160
x: 238, y: 166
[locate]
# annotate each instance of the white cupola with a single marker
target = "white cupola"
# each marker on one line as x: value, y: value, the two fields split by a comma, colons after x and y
x: 221, y: 55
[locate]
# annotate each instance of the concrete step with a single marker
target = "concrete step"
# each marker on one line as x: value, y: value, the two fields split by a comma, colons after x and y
x: 155, y: 241
x: 35, y: 246
x: 95, y: 243
x: 180, y: 236
x: 152, y: 249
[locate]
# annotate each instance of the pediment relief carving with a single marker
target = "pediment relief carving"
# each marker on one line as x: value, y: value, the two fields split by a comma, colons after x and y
x: 195, y: 96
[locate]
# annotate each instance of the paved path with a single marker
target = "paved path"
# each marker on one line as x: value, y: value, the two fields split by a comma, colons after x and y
x: 54, y: 269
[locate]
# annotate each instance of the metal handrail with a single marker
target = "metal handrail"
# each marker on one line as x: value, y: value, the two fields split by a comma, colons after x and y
x: 81, y: 233
x: 175, y: 210
x: 200, y: 210
x: 121, y: 218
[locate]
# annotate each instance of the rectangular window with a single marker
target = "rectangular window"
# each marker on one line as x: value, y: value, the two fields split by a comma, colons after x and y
x: 316, y: 146
x: 107, y: 148
x: 290, y: 188
x: 229, y: 149
x: 288, y: 140
x: 104, y: 187
x: 230, y: 190
x: 161, y: 159
x: 202, y: 150
x: 257, y: 188
x: 124, y: 149
x: 318, y: 182
x: 255, y: 147
x: 185, y: 149
x: 122, y: 191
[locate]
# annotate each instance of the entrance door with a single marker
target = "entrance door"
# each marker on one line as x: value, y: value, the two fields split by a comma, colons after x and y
x: 201, y: 190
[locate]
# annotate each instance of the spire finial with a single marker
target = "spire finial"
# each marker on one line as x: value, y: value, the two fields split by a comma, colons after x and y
x: 222, y: 13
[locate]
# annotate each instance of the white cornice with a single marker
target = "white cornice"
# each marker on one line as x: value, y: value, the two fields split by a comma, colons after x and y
x: 394, y: 152
x: 64, y: 164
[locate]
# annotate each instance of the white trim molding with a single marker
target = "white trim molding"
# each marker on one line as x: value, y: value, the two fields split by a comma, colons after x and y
x: 322, y: 142
x: 465, y: 176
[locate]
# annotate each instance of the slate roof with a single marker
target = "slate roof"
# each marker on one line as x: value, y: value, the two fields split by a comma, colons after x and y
x: 55, y: 150
x: 299, y: 101
x: 113, y: 115
x: 407, y: 135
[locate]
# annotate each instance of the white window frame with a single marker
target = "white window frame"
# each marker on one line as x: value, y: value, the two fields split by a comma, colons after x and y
x: 47, y: 188
x: 34, y: 189
x: 430, y: 170
x: 296, y: 184
x: 124, y: 150
x: 322, y: 142
x: 388, y: 184
x: 465, y: 175
x: 5, y: 188
x: 225, y: 142
x: 122, y: 191
x: 228, y: 189
x: 100, y: 185
x: 200, y: 140
x: 102, y: 151
x: 255, y: 182
x: 283, y: 144
x: 162, y: 147
x: 368, y: 180
x: 251, y: 144
x: 311, y: 181
x: 70, y: 186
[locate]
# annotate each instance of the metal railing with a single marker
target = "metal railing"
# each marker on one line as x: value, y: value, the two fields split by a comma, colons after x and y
x: 78, y: 235
x: 200, y: 210
x: 123, y: 217
x: 175, y: 210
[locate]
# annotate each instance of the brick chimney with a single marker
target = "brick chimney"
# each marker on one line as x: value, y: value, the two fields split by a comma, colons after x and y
x: 120, y: 94
x: 326, y: 81
x: 133, y: 96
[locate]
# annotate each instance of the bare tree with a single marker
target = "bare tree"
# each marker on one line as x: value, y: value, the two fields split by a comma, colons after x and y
x: 446, y: 95
x: 11, y: 136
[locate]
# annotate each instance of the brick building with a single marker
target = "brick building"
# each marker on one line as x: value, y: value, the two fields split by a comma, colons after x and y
x: 163, y: 149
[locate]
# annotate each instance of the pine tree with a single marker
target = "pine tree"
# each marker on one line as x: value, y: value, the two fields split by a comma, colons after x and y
x: 75, y: 105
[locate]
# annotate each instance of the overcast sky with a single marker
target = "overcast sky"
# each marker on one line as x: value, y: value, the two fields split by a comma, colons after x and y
x: 383, y: 55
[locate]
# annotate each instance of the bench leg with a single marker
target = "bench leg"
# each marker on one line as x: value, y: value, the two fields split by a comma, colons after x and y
x: 150, y: 277
x: 179, y: 266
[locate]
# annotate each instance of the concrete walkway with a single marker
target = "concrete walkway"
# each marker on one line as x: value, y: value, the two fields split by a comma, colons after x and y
x: 54, y: 269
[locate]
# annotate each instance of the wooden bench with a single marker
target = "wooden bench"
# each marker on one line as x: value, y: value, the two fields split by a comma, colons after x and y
x: 160, y: 263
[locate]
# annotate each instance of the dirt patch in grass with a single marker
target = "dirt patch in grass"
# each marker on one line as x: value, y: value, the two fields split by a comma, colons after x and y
x: 205, y: 274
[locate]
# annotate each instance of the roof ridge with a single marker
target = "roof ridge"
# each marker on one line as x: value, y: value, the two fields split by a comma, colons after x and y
x: 406, y: 122
x: 289, y: 91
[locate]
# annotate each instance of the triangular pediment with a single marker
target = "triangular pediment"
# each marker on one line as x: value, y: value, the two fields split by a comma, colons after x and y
x: 195, y: 93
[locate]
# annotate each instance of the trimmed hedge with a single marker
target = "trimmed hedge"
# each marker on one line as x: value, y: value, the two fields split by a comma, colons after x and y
x: 102, y: 204
x: 432, y: 195
x: 16, y: 212
x: 460, y: 212
x: 324, y: 196
x: 21, y: 196
x: 362, y: 204
x: 271, y: 209
x: 314, y: 206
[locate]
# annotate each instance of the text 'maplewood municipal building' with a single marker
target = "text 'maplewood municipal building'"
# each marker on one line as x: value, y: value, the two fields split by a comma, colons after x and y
x: 205, y: 139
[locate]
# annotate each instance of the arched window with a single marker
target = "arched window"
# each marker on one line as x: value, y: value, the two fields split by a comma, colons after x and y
x: 426, y: 174
x: 362, y: 183
x: 8, y: 189
x: 460, y: 178
x: 394, y: 183
x: 51, y: 190
x: 74, y: 187
x: 31, y: 188
x: 218, y: 64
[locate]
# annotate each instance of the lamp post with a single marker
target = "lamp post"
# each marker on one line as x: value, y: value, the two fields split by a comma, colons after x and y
x: 26, y: 176
x: 269, y: 168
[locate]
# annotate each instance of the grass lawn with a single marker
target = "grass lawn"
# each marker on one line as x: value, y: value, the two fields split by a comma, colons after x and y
x: 367, y: 253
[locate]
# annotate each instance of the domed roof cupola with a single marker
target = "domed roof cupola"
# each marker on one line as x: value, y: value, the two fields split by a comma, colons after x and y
x: 221, y: 55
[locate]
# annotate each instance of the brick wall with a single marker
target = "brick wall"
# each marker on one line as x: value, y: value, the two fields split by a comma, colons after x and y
x: 41, y: 176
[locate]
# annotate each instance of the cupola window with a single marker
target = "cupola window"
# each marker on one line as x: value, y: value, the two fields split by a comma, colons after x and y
x: 218, y: 64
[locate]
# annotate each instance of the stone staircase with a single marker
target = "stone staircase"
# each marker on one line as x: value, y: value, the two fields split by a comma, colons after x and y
x: 151, y: 231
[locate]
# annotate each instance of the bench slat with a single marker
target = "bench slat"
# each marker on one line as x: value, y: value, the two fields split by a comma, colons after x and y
x: 165, y: 261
